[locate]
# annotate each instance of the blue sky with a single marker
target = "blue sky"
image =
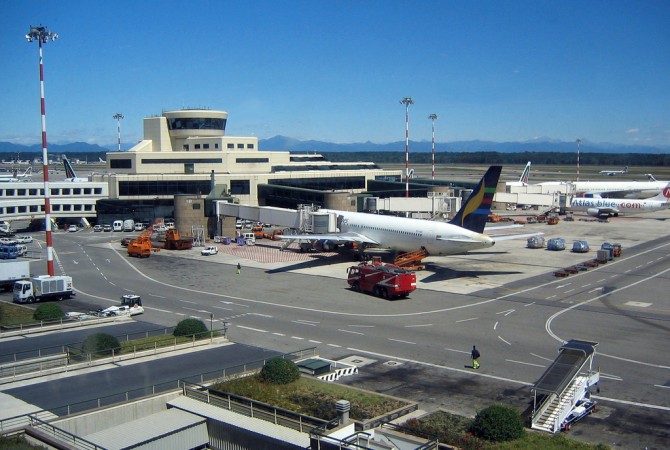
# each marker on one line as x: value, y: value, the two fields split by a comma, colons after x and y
x: 335, y: 70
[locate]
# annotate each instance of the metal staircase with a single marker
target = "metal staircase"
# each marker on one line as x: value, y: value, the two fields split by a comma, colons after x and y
x: 563, y: 386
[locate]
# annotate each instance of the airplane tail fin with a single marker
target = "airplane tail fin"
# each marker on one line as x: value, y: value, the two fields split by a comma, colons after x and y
x: 473, y: 214
x: 69, y: 171
x: 664, y: 196
x: 525, y: 174
x: 651, y: 177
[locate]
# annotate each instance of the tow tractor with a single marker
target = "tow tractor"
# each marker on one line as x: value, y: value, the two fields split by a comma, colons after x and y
x: 386, y: 281
x: 131, y: 305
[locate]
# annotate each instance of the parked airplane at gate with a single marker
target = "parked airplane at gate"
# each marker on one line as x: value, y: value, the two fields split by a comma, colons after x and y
x: 618, y: 189
x: 463, y: 233
x: 611, y: 173
x: 16, y: 176
x: 70, y: 174
x: 523, y: 180
x: 607, y: 207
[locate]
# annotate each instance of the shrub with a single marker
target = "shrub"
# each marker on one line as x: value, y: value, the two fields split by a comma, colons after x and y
x: 189, y: 327
x: 279, y: 371
x: 100, y: 344
x: 498, y: 423
x: 48, y: 311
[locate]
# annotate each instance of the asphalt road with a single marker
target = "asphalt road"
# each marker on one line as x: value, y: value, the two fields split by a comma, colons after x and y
x: 418, y: 348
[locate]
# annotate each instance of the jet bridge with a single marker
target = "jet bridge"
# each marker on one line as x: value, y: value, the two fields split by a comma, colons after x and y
x: 562, y: 393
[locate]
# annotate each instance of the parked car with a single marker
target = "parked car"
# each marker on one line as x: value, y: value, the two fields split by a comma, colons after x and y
x: 97, y: 228
x: 8, y: 241
x: 72, y: 229
x: 211, y: 250
x: 23, y: 239
x: 106, y: 228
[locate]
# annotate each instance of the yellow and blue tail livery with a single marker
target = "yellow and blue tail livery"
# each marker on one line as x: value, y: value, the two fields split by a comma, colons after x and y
x: 474, y: 213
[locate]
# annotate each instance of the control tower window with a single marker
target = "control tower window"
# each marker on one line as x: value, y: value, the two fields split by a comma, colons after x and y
x: 197, y: 123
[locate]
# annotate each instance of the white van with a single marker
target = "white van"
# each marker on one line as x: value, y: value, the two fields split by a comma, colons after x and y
x: 249, y: 238
x: 117, y: 225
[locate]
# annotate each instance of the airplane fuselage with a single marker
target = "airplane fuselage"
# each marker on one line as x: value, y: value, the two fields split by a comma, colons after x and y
x: 620, y: 187
x: 620, y: 205
x: 405, y: 234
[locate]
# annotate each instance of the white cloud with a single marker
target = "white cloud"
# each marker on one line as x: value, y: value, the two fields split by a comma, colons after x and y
x: 632, y: 130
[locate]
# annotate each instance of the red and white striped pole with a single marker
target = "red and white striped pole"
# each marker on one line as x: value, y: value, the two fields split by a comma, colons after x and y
x: 118, y: 118
x: 433, y: 117
x: 407, y: 101
x: 42, y: 35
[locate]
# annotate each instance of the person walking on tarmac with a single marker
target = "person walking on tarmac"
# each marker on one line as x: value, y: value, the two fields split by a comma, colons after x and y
x: 239, y: 268
x: 475, y: 356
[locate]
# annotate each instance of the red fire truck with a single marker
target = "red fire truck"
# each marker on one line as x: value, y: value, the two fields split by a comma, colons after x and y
x: 386, y: 281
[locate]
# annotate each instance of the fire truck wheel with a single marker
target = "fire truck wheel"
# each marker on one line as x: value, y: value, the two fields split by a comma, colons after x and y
x: 356, y: 286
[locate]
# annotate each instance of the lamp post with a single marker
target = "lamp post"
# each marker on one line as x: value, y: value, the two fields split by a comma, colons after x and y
x: 433, y: 118
x: 407, y: 101
x: 42, y: 36
x: 118, y: 118
x: 579, y: 141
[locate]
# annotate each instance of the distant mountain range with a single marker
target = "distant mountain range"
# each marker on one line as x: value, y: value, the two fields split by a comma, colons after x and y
x: 283, y: 143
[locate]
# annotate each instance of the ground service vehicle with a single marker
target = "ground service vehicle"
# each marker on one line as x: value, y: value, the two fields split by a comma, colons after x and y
x: 386, y: 281
x: 97, y: 228
x: 141, y: 247
x: 11, y: 272
x: 173, y: 241
x: 128, y: 225
x: 131, y: 305
x: 43, y: 287
x: 211, y: 250
x: 9, y: 252
x: 117, y: 225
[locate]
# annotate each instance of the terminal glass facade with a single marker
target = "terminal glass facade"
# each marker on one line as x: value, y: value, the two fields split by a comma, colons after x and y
x: 163, y: 187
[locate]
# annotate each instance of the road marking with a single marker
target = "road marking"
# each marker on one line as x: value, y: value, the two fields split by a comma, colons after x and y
x: 528, y: 304
x: 422, y: 325
x: 401, y: 341
x: 507, y: 311
x: 157, y: 296
x: 315, y: 342
x: 551, y: 296
x: 561, y: 286
x: 596, y: 289
x: 600, y: 281
x: 251, y: 329
x: 610, y: 377
x: 187, y: 301
x: 638, y: 304
x: 161, y: 310
x: 526, y: 363
x: 334, y: 345
x: 458, y: 351
x: 661, y: 386
x: 362, y: 326
x: 352, y: 332
x: 541, y: 357
x: 304, y: 323
x: 568, y: 291
x: 587, y: 285
x: 298, y: 338
x: 279, y: 334
x: 504, y: 340
x: 495, y: 325
x: 467, y: 320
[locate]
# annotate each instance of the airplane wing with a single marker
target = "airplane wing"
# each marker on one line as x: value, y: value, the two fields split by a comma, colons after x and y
x: 508, y: 237
x: 335, y: 237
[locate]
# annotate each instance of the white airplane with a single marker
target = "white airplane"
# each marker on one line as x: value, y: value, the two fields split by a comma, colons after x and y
x: 611, y: 173
x: 463, y: 233
x: 618, y: 189
x: 16, y: 176
x: 607, y: 207
x: 523, y: 179
x: 70, y: 173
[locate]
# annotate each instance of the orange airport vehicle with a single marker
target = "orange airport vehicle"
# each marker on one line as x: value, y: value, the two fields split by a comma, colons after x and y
x: 386, y: 281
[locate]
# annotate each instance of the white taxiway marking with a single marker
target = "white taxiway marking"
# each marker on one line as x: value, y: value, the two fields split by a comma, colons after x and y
x: 252, y: 329
x: 495, y: 325
x: 561, y: 286
x: 504, y: 340
x: 315, y: 342
x: 661, y: 386
x: 458, y: 351
x: 596, y: 289
x: 587, y: 285
x: 467, y: 320
x: 506, y: 312
x: 157, y: 296
x: 298, y: 338
x: 401, y: 341
x: 526, y: 363
x: 528, y: 304
x: 568, y: 291
x: 423, y: 325
x: 334, y: 345
x: 352, y: 332
x: 304, y: 323
x: 638, y: 304
x: 187, y: 301
x: 156, y: 309
x: 279, y: 334
x: 610, y: 377
x: 551, y: 296
x: 541, y: 357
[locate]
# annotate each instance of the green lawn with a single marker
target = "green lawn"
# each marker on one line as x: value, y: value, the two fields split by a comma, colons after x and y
x: 12, y: 315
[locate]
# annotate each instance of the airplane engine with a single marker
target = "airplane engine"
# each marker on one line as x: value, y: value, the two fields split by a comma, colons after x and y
x: 326, y: 245
x: 593, y: 212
